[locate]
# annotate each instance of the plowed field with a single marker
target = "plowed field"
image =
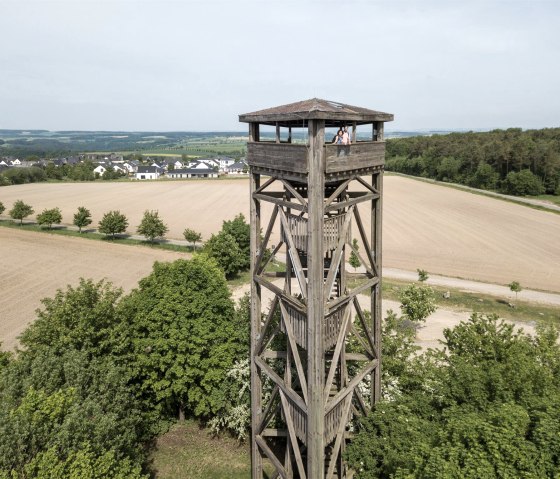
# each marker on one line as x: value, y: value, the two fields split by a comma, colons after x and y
x: 442, y: 230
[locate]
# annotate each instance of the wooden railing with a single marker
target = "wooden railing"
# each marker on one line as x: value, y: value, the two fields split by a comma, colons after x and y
x: 293, y: 157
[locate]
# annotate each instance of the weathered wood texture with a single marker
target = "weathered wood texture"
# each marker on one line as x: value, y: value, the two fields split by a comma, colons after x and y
x: 294, y: 158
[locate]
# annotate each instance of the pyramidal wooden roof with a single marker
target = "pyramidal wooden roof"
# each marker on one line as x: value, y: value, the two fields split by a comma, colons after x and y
x: 296, y: 114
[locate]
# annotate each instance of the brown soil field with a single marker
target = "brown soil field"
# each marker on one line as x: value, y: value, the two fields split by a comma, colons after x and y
x: 35, y: 265
x: 442, y: 230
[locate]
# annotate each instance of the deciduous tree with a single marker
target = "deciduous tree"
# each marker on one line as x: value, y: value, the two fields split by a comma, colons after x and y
x: 20, y: 211
x: 49, y: 217
x: 182, y: 336
x: 192, y: 236
x: 152, y: 226
x: 82, y: 218
x: 225, y: 250
x: 112, y: 223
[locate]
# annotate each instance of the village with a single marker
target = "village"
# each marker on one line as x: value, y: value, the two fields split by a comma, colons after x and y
x: 148, y: 168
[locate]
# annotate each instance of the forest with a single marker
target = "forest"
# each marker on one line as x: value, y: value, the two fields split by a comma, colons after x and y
x: 511, y: 161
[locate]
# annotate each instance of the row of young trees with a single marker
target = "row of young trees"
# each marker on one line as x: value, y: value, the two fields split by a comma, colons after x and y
x: 513, y: 161
x: 230, y: 247
x: 100, y: 374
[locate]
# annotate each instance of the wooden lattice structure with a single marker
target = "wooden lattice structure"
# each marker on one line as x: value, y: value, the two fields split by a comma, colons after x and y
x: 315, y: 354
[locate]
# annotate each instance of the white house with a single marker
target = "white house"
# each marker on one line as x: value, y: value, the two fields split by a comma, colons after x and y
x: 224, y: 162
x: 148, y: 173
x: 239, y: 168
x: 193, y: 173
x: 100, y: 169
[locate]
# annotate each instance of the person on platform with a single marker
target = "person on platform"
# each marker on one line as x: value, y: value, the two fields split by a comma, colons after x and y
x: 345, y: 136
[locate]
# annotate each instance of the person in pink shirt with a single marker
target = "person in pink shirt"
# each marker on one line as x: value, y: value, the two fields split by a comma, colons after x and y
x: 345, y: 136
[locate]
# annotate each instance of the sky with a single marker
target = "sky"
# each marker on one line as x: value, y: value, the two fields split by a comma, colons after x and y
x: 157, y: 65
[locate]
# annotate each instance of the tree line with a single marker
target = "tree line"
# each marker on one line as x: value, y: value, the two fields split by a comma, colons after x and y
x: 512, y: 161
x: 82, y: 171
x: 230, y: 247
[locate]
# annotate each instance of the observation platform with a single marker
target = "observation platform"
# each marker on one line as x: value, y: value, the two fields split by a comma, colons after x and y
x: 291, y: 160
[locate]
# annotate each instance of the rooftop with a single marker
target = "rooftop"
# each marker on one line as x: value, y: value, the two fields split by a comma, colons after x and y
x: 297, y: 114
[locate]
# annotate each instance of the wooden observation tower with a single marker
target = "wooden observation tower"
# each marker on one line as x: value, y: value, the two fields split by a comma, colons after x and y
x: 315, y: 351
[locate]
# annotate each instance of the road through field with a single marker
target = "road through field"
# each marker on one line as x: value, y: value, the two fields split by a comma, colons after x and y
x: 442, y: 230
x: 35, y: 265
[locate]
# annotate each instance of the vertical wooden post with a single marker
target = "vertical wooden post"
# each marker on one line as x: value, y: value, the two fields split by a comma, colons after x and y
x: 376, y: 309
x: 277, y: 133
x: 378, y: 128
x: 316, y: 305
x: 290, y: 134
x: 353, y: 132
x: 256, y: 384
x: 254, y: 133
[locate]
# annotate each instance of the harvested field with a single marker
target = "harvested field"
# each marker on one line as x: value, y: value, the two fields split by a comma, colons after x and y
x: 442, y: 230
x: 35, y: 265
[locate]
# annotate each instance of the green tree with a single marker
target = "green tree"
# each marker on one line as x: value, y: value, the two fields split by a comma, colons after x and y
x: 82, y: 218
x: 49, y: 217
x: 240, y: 230
x: 422, y: 275
x: 20, y: 211
x: 152, y: 226
x: 2, y: 208
x: 192, y: 236
x: 522, y: 183
x: 417, y: 302
x: 486, y: 406
x: 225, y: 250
x: 354, y: 260
x: 515, y: 287
x: 182, y: 336
x: 112, y: 223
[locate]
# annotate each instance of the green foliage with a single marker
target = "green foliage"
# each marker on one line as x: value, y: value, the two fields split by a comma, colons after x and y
x: 354, y: 260
x: 2, y: 208
x: 112, y: 223
x: 20, y: 210
x: 182, y: 336
x: 227, y: 253
x: 82, y: 218
x: 80, y: 318
x: 192, y: 236
x: 417, y: 302
x: 422, y: 275
x: 19, y: 176
x: 486, y: 407
x: 240, y: 230
x: 483, y: 160
x: 515, y: 287
x: 152, y: 226
x: 49, y: 217
x: 66, y: 409
x: 522, y: 183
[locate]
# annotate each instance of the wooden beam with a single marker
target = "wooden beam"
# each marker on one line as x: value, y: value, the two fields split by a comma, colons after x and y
x: 338, y: 348
x: 294, y: 255
x: 376, y: 306
x: 351, y: 385
x: 336, y: 257
x: 275, y: 461
x: 264, y: 242
x: 292, y: 433
x: 260, y: 339
x: 256, y: 384
x: 337, y: 192
x: 295, y: 353
x: 339, y: 437
x: 294, y: 193
x: 279, y: 292
x: 278, y: 201
x: 359, y: 198
x: 277, y: 133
